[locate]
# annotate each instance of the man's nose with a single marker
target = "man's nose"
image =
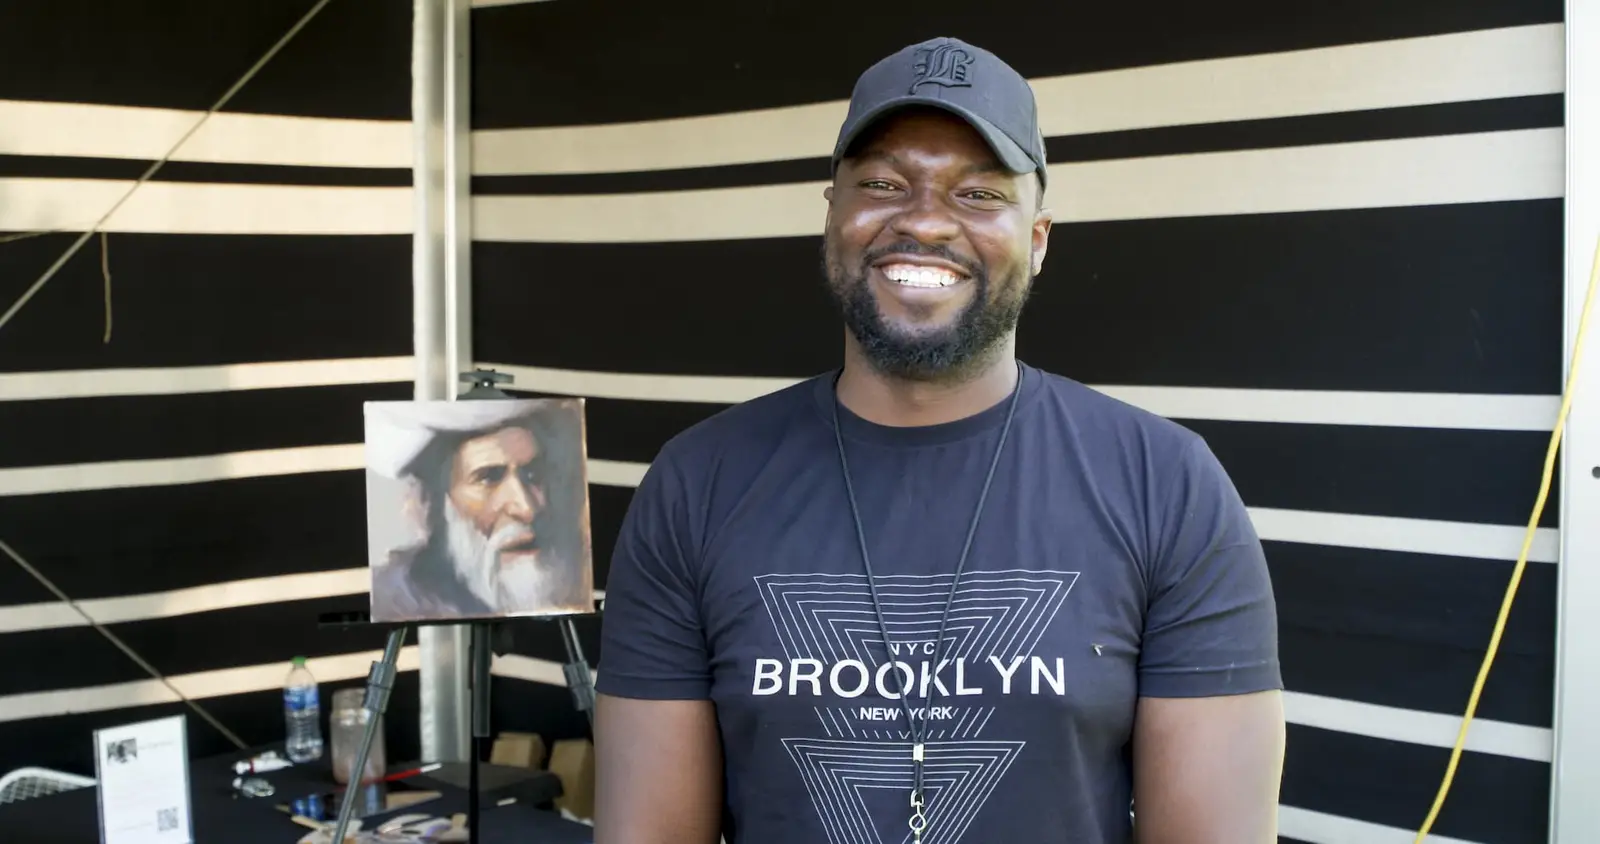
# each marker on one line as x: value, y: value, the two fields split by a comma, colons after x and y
x: 925, y: 218
x: 521, y: 500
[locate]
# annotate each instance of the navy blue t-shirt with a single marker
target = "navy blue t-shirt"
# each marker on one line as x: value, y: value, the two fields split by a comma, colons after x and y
x: 1114, y: 559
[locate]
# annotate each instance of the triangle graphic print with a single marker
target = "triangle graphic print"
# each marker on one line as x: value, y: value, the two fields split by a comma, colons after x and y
x: 830, y: 617
x: 848, y: 779
x: 858, y: 775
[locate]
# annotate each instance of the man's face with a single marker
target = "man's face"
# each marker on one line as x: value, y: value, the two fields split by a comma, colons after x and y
x: 492, y: 487
x: 930, y: 245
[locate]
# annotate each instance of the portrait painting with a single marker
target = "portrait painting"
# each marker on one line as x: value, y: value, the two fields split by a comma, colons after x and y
x: 478, y: 509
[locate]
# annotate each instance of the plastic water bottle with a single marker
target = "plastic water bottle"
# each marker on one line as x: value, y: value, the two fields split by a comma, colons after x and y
x: 302, y: 713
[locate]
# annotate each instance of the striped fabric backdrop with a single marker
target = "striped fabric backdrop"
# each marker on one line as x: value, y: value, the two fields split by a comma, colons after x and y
x: 1326, y: 237
x: 1328, y: 240
x: 195, y: 477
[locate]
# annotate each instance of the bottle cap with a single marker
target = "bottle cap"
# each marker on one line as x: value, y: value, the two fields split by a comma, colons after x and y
x: 300, y: 661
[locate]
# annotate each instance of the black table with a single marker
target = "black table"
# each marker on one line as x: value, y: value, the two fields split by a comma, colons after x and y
x: 221, y: 818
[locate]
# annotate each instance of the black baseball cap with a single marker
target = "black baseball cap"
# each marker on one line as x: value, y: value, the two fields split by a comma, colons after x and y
x: 967, y: 81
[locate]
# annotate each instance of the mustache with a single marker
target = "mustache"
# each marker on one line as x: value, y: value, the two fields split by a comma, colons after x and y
x: 513, y: 535
x: 912, y: 247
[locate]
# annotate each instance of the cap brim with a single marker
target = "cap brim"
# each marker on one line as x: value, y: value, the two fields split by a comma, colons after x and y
x: 1014, y: 157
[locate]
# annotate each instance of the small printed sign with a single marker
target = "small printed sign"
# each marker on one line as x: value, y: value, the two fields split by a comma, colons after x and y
x: 143, y: 773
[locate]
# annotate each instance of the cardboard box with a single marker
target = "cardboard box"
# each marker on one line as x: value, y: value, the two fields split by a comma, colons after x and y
x: 518, y: 750
x: 573, y: 761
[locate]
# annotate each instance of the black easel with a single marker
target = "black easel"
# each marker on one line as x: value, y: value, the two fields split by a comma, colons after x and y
x: 380, y: 680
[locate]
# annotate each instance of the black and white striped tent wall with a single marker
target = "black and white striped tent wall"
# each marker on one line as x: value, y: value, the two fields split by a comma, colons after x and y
x: 195, y: 478
x: 1327, y: 238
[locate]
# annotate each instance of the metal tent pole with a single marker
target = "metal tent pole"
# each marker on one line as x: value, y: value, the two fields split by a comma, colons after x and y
x: 1575, y: 771
x: 443, y: 649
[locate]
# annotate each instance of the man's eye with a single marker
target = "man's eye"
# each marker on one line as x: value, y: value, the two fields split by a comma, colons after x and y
x: 877, y: 184
x: 492, y: 475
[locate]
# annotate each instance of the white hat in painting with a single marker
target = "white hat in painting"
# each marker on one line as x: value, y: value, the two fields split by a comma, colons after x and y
x: 397, y: 432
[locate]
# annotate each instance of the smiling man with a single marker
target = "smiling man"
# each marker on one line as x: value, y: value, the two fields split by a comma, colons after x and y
x: 938, y: 594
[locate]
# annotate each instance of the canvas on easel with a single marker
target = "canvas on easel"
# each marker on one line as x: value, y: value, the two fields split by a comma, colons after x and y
x: 478, y: 510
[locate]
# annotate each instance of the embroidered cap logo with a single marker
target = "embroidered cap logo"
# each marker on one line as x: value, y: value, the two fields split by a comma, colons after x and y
x: 946, y: 65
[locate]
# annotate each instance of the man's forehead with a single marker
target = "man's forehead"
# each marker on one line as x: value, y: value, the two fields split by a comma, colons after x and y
x: 513, y: 443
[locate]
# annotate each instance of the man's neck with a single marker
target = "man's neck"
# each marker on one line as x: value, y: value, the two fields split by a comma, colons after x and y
x: 898, y: 402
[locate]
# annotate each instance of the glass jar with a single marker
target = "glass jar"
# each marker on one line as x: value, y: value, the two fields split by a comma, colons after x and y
x: 347, y: 722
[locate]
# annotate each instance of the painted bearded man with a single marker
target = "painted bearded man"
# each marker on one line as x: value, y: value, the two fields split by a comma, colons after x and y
x: 500, y: 506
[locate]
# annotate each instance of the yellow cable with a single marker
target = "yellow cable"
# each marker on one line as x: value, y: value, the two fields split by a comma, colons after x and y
x: 1527, y: 544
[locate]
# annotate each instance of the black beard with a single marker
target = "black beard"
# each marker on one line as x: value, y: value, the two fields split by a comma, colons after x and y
x: 945, y: 354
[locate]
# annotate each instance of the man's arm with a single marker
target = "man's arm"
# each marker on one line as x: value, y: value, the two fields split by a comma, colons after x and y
x: 1206, y: 770
x: 658, y: 753
x: 1208, y: 734
x: 658, y: 772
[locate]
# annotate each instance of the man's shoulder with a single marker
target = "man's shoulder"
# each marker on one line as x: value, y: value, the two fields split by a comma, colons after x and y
x: 703, y: 470
x: 415, y: 583
x: 757, y: 423
x: 1098, y: 414
x: 393, y: 586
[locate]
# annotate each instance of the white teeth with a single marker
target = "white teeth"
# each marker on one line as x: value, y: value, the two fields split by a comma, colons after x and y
x: 913, y: 276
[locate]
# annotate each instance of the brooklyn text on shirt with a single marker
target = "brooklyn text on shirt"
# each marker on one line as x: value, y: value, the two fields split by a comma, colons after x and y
x: 849, y: 678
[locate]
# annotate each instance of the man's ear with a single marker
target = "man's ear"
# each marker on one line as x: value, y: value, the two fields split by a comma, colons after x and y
x: 1041, y: 239
x: 827, y: 193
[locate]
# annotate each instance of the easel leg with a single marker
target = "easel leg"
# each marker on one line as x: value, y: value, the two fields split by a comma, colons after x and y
x: 482, y: 659
x: 580, y: 680
x: 380, y: 682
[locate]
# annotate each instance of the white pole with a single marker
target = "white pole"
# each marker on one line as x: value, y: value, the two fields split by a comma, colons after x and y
x: 458, y: 184
x: 442, y: 649
x: 1575, y: 771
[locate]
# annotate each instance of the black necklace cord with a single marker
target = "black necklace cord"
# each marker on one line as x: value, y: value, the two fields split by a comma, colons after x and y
x: 919, y: 730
